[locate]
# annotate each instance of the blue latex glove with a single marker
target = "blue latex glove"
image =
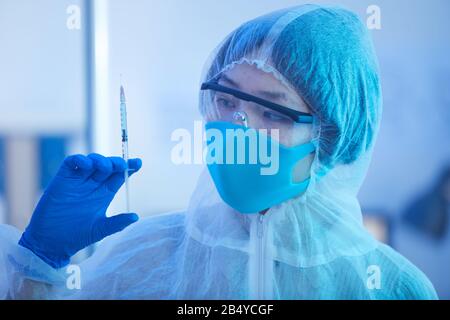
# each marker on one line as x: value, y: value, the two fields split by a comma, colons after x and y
x: 71, y: 213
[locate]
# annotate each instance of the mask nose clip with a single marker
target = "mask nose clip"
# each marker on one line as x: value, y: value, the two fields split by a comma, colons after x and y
x: 241, y: 117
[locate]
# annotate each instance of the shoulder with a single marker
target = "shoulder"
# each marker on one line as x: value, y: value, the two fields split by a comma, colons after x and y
x: 405, y: 280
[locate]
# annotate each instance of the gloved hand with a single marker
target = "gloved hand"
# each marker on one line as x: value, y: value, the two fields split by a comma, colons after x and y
x: 71, y: 213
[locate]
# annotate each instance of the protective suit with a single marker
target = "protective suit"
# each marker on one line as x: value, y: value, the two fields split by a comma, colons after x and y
x: 311, y: 246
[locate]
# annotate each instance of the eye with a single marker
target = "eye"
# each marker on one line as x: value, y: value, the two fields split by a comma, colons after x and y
x: 275, y: 116
x: 224, y: 102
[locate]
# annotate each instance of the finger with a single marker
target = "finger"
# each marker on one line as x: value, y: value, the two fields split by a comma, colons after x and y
x: 117, y: 179
x: 114, y: 224
x: 134, y: 165
x: 103, y: 167
x: 76, y: 166
x: 119, y: 165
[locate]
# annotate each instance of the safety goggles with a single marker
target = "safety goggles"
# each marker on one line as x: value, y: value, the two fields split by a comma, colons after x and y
x: 296, y: 116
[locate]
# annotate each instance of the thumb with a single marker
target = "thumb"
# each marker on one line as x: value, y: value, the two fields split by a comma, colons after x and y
x: 114, y: 224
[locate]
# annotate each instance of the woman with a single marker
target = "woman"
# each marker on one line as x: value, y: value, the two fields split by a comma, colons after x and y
x: 307, y: 79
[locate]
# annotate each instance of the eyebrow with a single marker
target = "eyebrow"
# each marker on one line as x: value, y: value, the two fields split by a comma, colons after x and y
x: 230, y: 81
x: 273, y: 95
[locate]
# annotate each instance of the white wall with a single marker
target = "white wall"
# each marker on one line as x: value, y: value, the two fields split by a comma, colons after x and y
x: 41, y: 73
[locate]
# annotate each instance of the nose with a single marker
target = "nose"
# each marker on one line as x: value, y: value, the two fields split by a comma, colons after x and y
x: 241, y: 117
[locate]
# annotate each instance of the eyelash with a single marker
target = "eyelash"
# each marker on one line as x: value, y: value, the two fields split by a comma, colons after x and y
x: 222, y: 101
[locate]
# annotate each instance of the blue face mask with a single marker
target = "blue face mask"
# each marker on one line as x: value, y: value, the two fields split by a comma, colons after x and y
x: 242, y: 186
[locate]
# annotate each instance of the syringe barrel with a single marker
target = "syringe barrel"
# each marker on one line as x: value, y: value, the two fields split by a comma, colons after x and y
x: 123, y: 117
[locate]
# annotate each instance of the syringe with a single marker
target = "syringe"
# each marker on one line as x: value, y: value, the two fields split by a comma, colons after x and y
x: 124, y: 129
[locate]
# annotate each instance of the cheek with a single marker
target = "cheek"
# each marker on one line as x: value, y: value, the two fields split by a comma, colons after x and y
x: 302, y: 169
x: 285, y: 138
x: 292, y: 136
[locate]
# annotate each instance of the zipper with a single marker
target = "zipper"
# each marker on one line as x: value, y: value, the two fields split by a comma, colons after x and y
x: 260, y: 262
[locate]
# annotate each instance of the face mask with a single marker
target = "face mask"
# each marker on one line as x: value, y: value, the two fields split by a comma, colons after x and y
x: 241, y: 185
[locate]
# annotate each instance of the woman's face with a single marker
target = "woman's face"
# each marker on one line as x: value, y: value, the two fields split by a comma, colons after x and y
x: 249, y: 79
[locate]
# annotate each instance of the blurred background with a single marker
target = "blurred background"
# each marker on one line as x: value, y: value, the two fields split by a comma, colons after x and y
x: 60, y: 70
